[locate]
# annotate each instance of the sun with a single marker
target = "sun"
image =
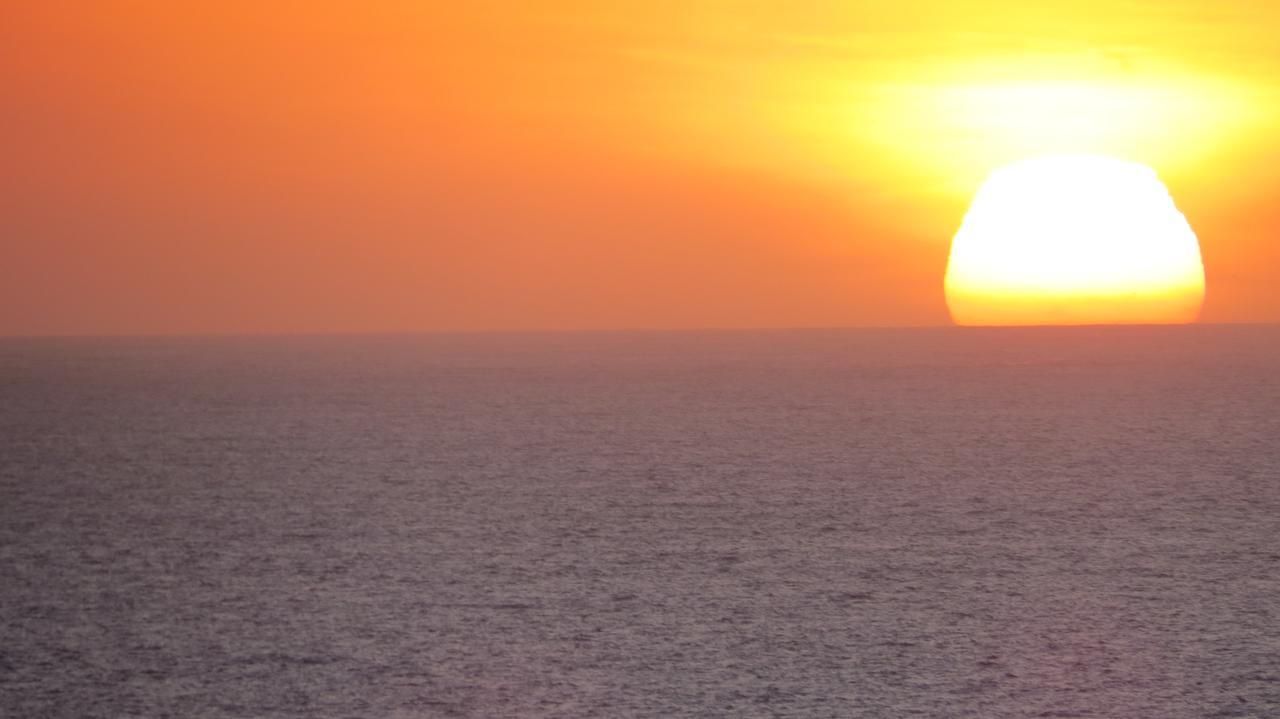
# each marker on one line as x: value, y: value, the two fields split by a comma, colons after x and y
x: 1074, y: 239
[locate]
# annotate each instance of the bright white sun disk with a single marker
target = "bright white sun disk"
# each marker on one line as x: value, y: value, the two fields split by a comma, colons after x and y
x: 1074, y: 239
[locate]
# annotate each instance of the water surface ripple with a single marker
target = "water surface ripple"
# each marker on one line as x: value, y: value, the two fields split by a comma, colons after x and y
x: 872, y: 523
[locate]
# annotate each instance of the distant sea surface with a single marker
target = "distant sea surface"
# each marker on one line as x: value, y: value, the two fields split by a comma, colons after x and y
x: 1052, y: 522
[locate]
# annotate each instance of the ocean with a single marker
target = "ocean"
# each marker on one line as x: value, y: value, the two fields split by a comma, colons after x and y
x: 988, y: 523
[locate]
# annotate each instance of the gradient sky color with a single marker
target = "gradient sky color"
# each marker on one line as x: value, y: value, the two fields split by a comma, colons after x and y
x: 334, y: 166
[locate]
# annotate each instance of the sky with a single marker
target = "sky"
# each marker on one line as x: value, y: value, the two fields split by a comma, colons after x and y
x: 403, y: 166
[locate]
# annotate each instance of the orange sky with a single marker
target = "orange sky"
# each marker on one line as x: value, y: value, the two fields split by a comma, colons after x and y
x: 325, y: 166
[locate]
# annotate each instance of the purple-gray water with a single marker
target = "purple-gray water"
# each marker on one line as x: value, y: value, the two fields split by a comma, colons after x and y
x: 1055, y: 522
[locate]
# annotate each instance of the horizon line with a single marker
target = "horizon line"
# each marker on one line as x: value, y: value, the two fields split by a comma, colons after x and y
x: 228, y: 334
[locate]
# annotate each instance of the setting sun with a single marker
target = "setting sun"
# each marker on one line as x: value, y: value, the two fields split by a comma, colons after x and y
x: 1074, y: 239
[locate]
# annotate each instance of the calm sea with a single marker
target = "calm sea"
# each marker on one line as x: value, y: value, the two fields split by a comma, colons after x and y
x: 1071, y: 522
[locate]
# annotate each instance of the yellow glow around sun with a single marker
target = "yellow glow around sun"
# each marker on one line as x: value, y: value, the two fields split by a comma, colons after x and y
x: 945, y: 126
x: 1074, y: 239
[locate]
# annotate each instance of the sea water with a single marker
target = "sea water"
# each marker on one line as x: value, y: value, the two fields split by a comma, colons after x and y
x: 1052, y: 522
